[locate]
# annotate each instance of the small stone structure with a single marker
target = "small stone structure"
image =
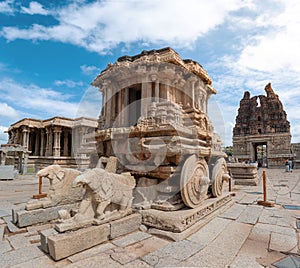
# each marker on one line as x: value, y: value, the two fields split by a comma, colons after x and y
x: 61, y: 195
x: 261, y: 121
x: 106, y: 205
x: 8, y: 168
x: 56, y: 140
x: 243, y: 174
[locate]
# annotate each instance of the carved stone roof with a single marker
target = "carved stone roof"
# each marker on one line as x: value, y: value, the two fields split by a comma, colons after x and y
x: 261, y: 115
x: 164, y: 55
x: 57, y: 120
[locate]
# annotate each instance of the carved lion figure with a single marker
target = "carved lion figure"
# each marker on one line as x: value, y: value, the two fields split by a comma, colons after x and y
x: 61, y: 191
x: 105, y: 193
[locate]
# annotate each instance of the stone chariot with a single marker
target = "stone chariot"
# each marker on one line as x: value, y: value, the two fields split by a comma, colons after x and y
x: 154, y: 120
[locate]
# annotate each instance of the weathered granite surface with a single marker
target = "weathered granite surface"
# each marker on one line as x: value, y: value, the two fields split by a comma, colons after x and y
x: 31, y: 217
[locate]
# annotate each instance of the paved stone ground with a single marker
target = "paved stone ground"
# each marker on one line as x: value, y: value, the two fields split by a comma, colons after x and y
x: 245, y: 235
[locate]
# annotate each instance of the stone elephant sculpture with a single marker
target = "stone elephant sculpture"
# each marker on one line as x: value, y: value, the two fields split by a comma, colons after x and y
x: 105, y: 194
x: 61, y: 190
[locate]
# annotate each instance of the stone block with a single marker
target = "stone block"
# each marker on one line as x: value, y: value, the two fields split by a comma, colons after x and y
x: 125, y: 225
x: 7, y: 173
x: 181, y: 220
x: 14, y: 211
x: 44, y: 238
x: 63, y: 245
x: 11, y: 226
x: 42, y: 215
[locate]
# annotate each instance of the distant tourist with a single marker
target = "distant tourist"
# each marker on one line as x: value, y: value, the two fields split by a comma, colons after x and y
x: 287, y: 166
x: 291, y: 165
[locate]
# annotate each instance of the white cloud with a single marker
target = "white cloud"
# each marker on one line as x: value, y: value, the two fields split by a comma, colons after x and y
x: 34, y: 8
x: 36, y: 101
x: 99, y: 27
x: 8, y: 111
x: 68, y: 83
x: 89, y: 70
x: 7, y: 7
x: 277, y: 49
x: 3, y: 136
x: 90, y: 103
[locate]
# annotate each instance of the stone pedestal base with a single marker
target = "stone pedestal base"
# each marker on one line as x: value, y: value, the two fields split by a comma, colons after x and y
x: 63, y: 245
x: 243, y: 174
x: 178, y: 221
x: 7, y: 173
x: 23, y: 218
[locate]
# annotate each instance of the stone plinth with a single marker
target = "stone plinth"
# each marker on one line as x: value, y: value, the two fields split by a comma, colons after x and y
x: 62, y: 245
x: 23, y: 218
x: 180, y: 220
x: 243, y: 174
x: 7, y: 173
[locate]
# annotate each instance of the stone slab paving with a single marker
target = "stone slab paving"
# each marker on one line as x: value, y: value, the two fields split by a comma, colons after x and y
x: 234, y: 212
x: 138, y: 250
x: 283, y: 243
x: 4, y: 247
x: 210, y: 231
x: 18, y: 241
x: 251, y: 214
x: 130, y: 239
x: 184, y: 249
x: 221, y: 251
x: 91, y: 252
x: 18, y: 256
x: 245, y: 235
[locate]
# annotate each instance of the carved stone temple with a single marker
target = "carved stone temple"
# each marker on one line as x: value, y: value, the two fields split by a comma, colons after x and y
x: 154, y: 120
x: 262, y: 131
x: 55, y: 140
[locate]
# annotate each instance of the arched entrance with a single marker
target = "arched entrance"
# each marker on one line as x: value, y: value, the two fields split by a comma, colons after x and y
x: 261, y: 154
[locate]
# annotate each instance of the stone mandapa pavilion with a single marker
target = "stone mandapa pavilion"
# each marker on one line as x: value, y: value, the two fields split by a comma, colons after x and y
x: 56, y: 140
x: 262, y: 131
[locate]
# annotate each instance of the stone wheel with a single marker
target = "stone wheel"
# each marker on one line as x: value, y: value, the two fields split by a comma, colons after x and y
x: 218, y: 172
x: 194, y: 181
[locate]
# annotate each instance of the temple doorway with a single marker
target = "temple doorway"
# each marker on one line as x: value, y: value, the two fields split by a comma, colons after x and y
x: 261, y: 154
x: 134, y: 111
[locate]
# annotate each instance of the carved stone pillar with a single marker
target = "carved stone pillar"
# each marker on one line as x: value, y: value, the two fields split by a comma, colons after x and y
x: 26, y: 155
x: 57, y: 132
x: 108, y: 107
x: 25, y: 143
x: 144, y: 99
x: 66, y: 145
x: 126, y: 101
x: 37, y: 143
x: 49, y: 143
x: 42, y: 142
x: 157, y: 90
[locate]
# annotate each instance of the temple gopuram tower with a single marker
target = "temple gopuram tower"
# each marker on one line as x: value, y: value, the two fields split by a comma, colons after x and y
x: 262, y: 131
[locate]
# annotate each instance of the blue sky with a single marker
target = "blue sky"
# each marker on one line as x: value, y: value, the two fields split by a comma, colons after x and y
x: 50, y: 52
